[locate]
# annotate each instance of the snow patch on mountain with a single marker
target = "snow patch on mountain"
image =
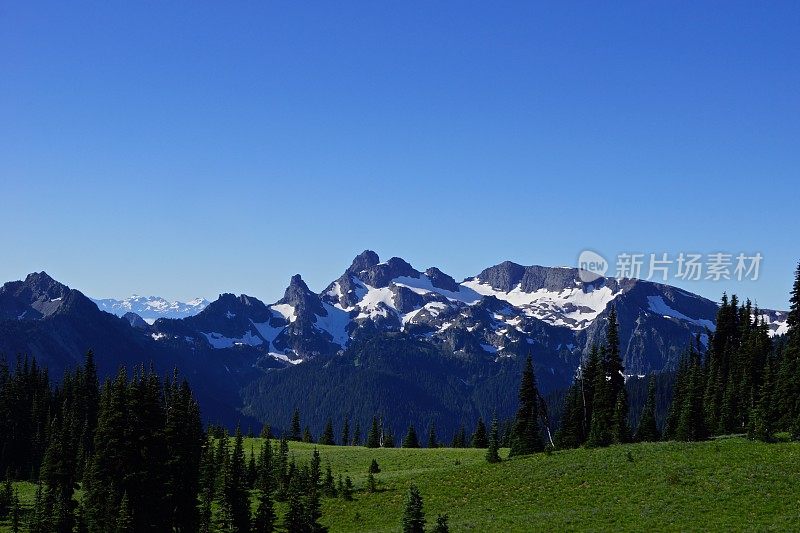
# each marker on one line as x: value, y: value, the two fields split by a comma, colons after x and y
x: 287, y: 311
x: 575, y: 308
x: 660, y: 307
x: 335, y: 323
x: 776, y: 322
x: 219, y: 341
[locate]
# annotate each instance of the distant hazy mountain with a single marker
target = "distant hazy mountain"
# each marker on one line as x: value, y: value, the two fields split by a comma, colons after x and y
x: 151, y: 308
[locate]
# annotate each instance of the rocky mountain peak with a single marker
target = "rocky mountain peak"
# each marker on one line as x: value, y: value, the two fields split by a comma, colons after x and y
x: 300, y: 296
x: 363, y: 261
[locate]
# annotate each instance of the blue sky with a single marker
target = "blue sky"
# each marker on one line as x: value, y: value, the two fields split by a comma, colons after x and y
x: 187, y: 148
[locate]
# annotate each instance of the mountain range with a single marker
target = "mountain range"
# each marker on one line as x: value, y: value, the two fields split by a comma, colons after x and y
x: 384, y: 338
x: 151, y: 308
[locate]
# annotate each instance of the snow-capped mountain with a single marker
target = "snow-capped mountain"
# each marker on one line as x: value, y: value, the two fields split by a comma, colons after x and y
x: 505, y: 311
x: 384, y: 337
x: 151, y: 308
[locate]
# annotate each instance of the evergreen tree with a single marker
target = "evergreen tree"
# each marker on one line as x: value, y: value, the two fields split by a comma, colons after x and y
x: 58, y: 477
x: 266, y: 432
x: 492, y: 454
x: 183, y: 436
x: 648, y: 430
x: 413, y: 513
x: 479, y: 438
x: 235, y: 498
x: 691, y: 425
x: 124, y: 523
x: 441, y: 524
x: 411, y: 440
x: 620, y: 433
x: 347, y: 489
x: 526, y: 437
x: 282, y: 470
x: 357, y: 434
x: 313, y: 506
x: 295, y: 433
x: 264, y: 518
x: 295, y: 519
x: 788, y: 390
x: 432, y: 440
x: 388, y: 438
x: 329, y: 485
x: 208, y: 485
x: 460, y: 438
x: 252, y: 470
x: 577, y: 412
x: 763, y: 416
x: 600, y: 431
x: 327, y: 437
x: 374, y: 435
x: 374, y: 468
x: 615, y: 373
x: 346, y: 432
x: 371, y: 487
x: 14, y: 512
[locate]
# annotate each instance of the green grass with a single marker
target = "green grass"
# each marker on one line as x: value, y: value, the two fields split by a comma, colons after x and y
x: 724, y: 485
x: 728, y: 484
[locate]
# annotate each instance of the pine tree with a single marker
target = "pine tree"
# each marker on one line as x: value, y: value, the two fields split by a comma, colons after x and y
x: 14, y: 512
x: 411, y: 440
x: 526, y: 437
x: 371, y: 487
x: 307, y: 437
x: 492, y: 452
x: 295, y: 518
x: 327, y: 437
x: 602, y: 412
x: 266, y: 432
x: 479, y: 438
x: 329, y: 485
x: 346, y: 432
x: 615, y: 372
x: 460, y: 438
x: 763, y: 416
x: 208, y: 485
x: 413, y: 513
x: 357, y: 434
x: 648, y: 430
x: 433, y: 442
x: 374, y: 468
x: 788, y: 394
x: 620, y: 433
x: 295, y: 433
x: 252, y: 471
x: 282, y: 470
x: 388, y: 438
x: 576, y: 417
x: 124, y: 523
x: 235, y: 497
x: 690, y: 424
x: 441, y: 524
x: 347, y: 489
x: 184, y: 439
x: 374, y: 435
x: 264, y: 519
x: 678, y: 398
x: 313, y: 506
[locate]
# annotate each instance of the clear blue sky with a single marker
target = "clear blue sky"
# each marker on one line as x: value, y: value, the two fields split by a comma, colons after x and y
x: 191, y: 148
